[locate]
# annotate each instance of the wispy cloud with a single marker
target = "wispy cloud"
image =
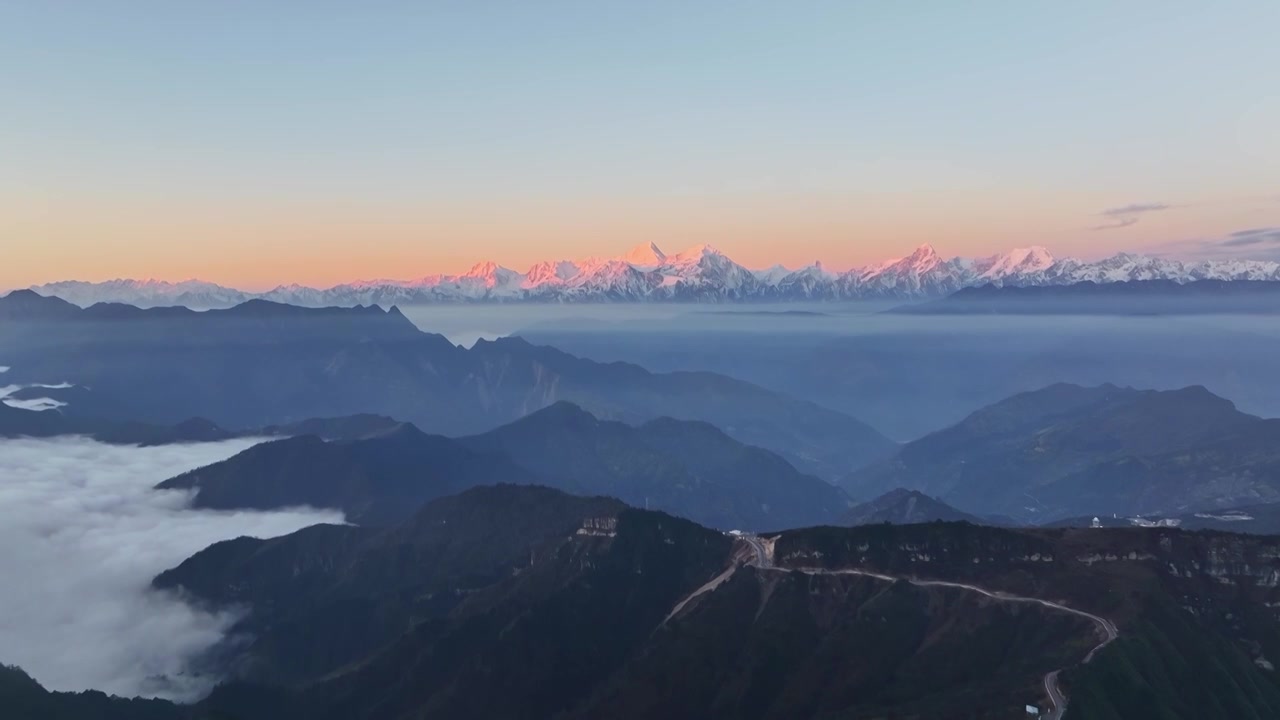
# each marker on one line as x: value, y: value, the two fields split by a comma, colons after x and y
x: 1255, y: 236
x: 1117, y: 223
x: 1126, y: 215
x: 1134, y: 209
x: 1261, y: 243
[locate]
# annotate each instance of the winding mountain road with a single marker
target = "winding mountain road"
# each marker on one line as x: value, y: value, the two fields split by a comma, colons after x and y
x: 763, y: 559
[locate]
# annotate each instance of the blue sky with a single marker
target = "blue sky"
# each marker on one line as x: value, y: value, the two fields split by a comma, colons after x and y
x: 167, y: 139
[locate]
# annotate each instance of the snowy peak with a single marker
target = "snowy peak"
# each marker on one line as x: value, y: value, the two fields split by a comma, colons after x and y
x: 816, y: 271
x: 924, y: 255
x: 695, y: 254
x: 699, y: 274
x: 1018, y: 261
x: 550, y: 273
x: 489, y: 270
x: 924, y: 259
x: 771, y: 276
x: 491, y: 275
x: 645, y: 255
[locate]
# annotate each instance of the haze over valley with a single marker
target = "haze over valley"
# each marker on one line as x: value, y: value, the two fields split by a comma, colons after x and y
x: 529, y: 361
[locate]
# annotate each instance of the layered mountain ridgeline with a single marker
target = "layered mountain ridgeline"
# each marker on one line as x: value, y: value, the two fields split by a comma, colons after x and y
x: 909, y: 375
x: 1132, y: 297
x: 686, y: 468
x: 698, y: 274
x: 600, y: 612
x: 582, y: 608
x: 812, y: 438
x: 782, y: 643
x: 1068, y: 451
x: 22, y: 422
x: 261, y: 363
x: 690, y: 469
x: 905, y: 507
x: 378, y: 480
x: 1179, y: 599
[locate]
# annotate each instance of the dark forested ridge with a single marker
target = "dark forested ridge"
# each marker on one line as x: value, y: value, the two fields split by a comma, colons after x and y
x: 904, y: 507
x: 469, y: 589
x: 687, y: 468
x: 586, y: 608
x: 377, y: 480
x: 1069, y: 451
x: 262, y: 363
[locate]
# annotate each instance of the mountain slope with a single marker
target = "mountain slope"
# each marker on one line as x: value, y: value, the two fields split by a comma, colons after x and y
x: 261, y: 364
x: 1178, y: 598
x: 619, y: 620
x: 516, y: 377
x: 687, y: 468
x: 378, y: 480
x: 24, y: 699
x: 1067, y: 451
x: 370, y: 587
x: 904, y: 507
x: 582, y: 608
x: 690, y: 469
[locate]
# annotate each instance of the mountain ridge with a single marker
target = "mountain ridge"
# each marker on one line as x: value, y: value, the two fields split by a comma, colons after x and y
x: 699, y: 274
x: 262, y: 364
x: 1068, y: 451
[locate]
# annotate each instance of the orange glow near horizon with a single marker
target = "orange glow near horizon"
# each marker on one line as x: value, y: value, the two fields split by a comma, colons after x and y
x: 256, y: 248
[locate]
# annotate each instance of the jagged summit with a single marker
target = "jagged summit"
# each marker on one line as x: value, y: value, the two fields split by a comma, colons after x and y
x: 697, y: 274
x: 923, y: 254
x: 697, y: 252
x: 644, y: 255
x: 1024, y: 260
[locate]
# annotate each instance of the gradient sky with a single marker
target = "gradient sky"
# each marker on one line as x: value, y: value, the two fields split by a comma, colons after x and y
x: 257, y: 143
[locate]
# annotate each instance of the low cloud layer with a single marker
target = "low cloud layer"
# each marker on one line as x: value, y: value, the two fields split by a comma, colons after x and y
x: 83, y: 535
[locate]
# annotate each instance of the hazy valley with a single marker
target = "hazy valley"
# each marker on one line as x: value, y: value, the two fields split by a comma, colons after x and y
x: 462, y: 551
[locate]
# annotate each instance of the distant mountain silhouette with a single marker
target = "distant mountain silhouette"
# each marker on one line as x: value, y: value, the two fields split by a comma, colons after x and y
x: 904, y: 507
x: 378, y: 480
x: 28, y: 306
x: 261, y: 363
x: 1068, y: 451
x: 22, y: 422
x: 686, y: 468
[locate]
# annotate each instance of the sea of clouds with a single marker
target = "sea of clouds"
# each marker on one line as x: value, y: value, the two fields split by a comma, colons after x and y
x: 83, y: 533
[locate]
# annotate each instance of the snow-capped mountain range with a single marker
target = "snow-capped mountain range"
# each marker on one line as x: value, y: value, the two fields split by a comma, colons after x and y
x: 699, y: 274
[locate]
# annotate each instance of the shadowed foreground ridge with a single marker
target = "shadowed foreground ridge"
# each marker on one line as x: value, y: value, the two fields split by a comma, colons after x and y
x: 587, y: 608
